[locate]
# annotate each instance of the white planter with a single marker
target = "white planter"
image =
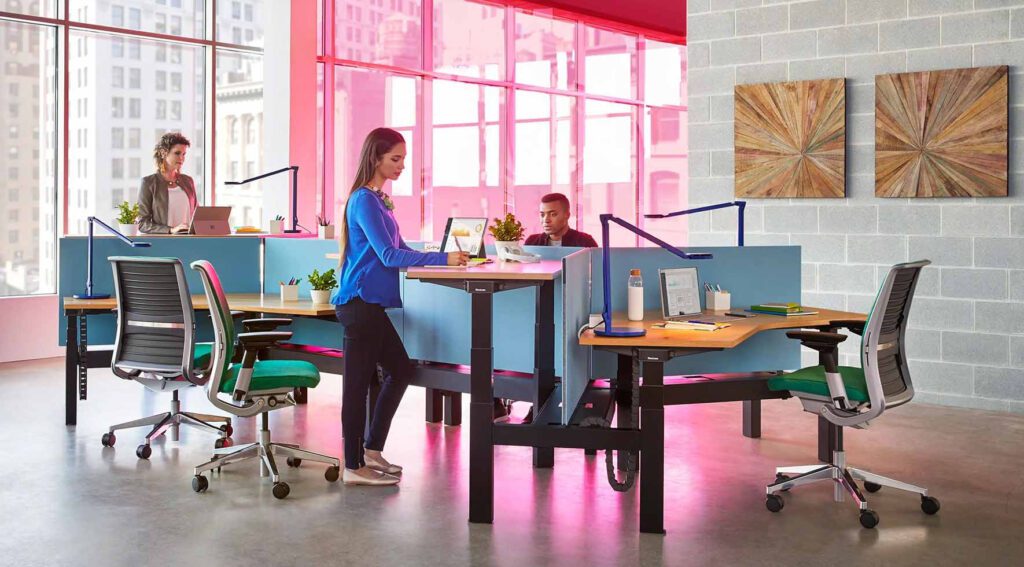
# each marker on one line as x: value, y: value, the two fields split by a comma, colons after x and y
x: 325, y: 232
x: 320, y: 296
x: 277, y: 227
x: 507, y: 247
x: 128, y: 229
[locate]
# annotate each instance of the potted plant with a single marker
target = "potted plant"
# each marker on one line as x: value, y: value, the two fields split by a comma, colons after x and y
x: 507, y: 234
x: 324, y: 228
x: 127, y: 214
x: 322, y: 285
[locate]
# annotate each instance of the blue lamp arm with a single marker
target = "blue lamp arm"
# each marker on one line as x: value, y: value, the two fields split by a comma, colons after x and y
x: 741, y: 205
x: 88, y: 268
x: 606, y: 262
x: 295, y: 191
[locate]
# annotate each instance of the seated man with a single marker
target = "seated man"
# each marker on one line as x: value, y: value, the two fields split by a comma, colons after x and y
x: 554, y: 218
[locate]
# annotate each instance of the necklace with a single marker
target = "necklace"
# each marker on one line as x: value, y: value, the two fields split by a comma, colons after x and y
x: 388, y: 203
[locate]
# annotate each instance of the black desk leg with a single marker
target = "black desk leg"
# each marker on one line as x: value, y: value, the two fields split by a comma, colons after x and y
x: 652, y: 447
x: 434, y: 408
x: 623, y: 400
x: 452, y: 408
x: 481, y: 404
x: 71, y: 363
x: 544, y: 363
x: 752, y: 418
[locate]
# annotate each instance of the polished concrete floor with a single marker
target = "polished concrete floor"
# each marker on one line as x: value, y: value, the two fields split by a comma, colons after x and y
x: 66, y: 500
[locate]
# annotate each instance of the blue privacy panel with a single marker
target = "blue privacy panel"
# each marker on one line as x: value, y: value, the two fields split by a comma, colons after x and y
x: 575, y: 371
x: 236, y: 259
x: 286, y: 258
x: 752, y: 274
x: 438, y: 323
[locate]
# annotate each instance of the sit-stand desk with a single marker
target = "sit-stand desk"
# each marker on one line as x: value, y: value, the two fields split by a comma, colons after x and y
x: 78, y: 358
x: 482, y: 282
x: 649, y: 354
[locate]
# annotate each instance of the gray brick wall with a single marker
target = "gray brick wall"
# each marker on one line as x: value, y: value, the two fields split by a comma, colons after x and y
x: 966, y: 342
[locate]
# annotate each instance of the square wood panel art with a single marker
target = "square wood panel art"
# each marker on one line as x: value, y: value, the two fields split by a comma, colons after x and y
x: 941, y: 133
x: 791, y: 139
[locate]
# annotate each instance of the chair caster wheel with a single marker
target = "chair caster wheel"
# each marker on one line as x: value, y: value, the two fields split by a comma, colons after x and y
x: 143, y: 451
x: 281, y: 490
x: 929, y: 505
x: 868, y: 519
x: 332, y: 473
x: 108, y: 439
x: 774, y: 503
x: 872, y: 487
x: 294, y: 462
x: 222, y: 442
x: 779, y: 477
x: 227, y: 429
x: 199, y: 483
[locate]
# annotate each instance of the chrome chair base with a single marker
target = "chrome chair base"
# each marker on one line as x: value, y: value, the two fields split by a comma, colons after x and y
x: 845, y: 481
x: 170, y: 422
x: 264, y: 451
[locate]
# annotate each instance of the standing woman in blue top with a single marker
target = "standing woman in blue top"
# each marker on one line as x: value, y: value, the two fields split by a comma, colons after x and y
x: 372, y: 252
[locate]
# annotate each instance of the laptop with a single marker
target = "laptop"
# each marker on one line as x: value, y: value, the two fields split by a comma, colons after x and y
x: 680, y: 297
x: 210, y: 221
x: 465, y: 234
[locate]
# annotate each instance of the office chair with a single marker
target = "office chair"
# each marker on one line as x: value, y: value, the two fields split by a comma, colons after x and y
x: 155, y: 345
x: 255, y: 387
x: 854, y: 397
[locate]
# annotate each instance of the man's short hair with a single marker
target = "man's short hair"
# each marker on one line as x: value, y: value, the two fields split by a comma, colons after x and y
x: 556, y: 198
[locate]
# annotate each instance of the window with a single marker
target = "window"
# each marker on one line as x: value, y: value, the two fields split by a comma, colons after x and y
x: 161, y: 53
x: 161, y: 81
x: 609, y: 63
x: 176, y: 110
x: 117, y: 168
x: 239, y: 122
x: 117, y: 77
x: 117, y: 138
x: 134, y: 49
x: 161, y: 23
x: 248, y: 12
x: 250, y: 131
x: 134, y: 78
x: 175, y: 25
x: 134, y: 135
x: 134, y: 167
x: 176, y: 82
x: 161, y: 109
x: 479, y: 54
x: 545, y: 51
x: 135, y: 108
x: 236, y: 10
x: 134, y: 18
x: 117, y: 47
x: 116, y: 108
x: 117, y: 16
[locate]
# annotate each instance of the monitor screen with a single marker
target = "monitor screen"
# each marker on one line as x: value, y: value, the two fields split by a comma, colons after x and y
x: 466, y: 234
x: 680, y: 292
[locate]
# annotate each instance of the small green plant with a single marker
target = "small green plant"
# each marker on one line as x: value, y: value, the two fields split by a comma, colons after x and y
x: 127, y: 213
x: 508, y: 230
x: 324, y: 281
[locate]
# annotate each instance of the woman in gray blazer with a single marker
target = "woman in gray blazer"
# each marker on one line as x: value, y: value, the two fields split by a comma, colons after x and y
x: 167, y: 198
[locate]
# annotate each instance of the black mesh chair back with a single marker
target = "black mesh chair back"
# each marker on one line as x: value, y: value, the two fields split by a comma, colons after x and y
x: 883, y: 345
x: 155, y: 324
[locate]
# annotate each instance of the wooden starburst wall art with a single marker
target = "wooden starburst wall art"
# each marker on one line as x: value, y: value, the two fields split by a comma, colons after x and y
x: 791, y: 139
x: 941, y: 133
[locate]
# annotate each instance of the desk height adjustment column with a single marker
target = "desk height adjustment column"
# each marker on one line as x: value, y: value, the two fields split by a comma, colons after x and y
x: 544, y: 369
x: 481, y: 406
x: 652, y: 441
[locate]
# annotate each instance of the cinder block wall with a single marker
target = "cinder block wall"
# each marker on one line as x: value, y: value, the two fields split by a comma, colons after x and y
x: 966, y: 344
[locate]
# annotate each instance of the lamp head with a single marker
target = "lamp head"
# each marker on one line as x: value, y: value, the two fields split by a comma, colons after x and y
x: 141, y: 244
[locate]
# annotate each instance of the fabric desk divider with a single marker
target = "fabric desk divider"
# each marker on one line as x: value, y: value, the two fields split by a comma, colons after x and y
x: 752, y: 274
x: 236, y: 259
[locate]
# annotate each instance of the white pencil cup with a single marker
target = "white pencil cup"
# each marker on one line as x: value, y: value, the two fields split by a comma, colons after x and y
x: 289, y: 292
x: 717, y: 300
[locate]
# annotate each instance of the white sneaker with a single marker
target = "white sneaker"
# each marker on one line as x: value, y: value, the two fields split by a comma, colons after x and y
x: 349, y: 476
x: 381, y: 464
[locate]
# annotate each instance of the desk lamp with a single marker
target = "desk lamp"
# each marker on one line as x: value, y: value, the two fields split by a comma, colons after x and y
x: 742, y: 205
x: 295, y: 192
x: 608, y: 330
x: 88, y: 270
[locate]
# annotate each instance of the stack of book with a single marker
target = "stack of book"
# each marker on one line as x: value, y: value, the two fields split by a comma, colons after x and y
x: 783, y: 309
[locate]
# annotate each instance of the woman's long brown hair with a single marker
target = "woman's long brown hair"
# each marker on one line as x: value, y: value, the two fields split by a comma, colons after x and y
x: 378, y: 143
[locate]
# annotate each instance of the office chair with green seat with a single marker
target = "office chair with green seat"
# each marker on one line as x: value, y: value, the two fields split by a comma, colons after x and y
x: 155, y: 344
x: 854, y: 397
x: 255, y: 387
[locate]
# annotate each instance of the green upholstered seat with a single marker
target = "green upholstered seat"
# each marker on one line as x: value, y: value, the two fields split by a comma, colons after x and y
x: 201, y: 355
x: 811, y: 380
x: 273, y: 375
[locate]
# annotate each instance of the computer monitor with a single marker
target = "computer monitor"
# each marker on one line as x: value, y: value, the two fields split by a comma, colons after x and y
x: 210, y: 221
x: 680, y: 292
x: 467, y: 234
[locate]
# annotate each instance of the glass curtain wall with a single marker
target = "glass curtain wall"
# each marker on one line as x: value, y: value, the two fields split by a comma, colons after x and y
x: 503, y: 105
x: 89, y: 86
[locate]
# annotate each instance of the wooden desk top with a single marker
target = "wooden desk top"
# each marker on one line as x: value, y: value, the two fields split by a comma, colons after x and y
x: 545, y: 270
x: 247, y: 302
x: 741, y: 330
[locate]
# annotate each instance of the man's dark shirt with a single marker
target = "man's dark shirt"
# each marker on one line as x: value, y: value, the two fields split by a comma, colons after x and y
x: 570, y: 238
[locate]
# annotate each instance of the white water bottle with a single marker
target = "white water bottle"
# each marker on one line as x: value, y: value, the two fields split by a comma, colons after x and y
x: 635, y: 299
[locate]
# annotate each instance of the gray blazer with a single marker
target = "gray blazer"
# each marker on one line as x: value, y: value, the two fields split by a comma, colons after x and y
x: 153, y: 202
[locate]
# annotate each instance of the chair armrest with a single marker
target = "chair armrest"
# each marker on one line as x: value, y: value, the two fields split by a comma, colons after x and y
x: 856, y: 327
x: 818, y: 340
x: 267, y: 324
x: 262, y: 339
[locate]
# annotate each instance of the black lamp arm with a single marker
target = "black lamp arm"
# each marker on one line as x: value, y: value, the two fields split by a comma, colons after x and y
x: 295, y: 190
x: 741, y: 205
